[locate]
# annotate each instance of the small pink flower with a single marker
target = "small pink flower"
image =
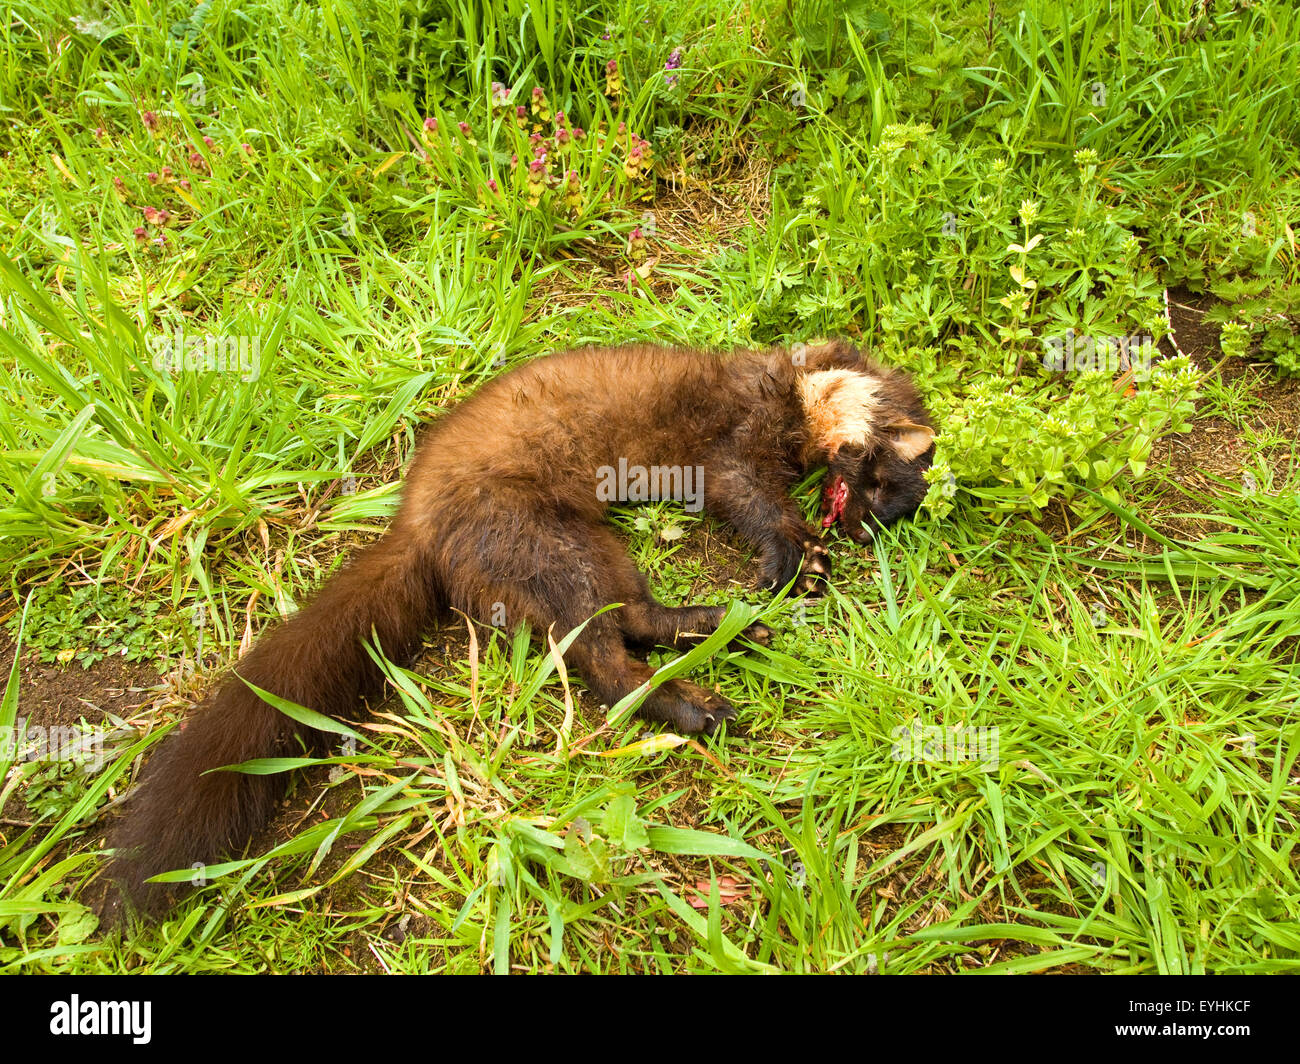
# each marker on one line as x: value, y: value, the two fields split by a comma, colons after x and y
x: 573, y: 191
x: 167, y: 173
x: 463, y: 127
x: 540, y: 108
x: 150, y: 120
x: 152, y: 177
x: 246, y: 148
x: 633, y: 164
x: 99, y: 132
x: 492, y: 185
x: 157, y: 216
x: 184, y: 184
x: 197, y: 161
x: 636, y: 245
x: 431, y: 125
x: 141, y: 234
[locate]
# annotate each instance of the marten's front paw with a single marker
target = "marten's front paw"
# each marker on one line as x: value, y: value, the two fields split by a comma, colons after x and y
x: 780, y: 563
x: 687, y: 707
x: 816, y: 568
x: 807, y: 562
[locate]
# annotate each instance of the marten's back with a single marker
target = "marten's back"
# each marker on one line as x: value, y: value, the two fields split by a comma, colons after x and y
x: 548, y: 425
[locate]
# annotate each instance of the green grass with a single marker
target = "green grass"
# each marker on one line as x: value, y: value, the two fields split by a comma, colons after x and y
x: 954, y: 189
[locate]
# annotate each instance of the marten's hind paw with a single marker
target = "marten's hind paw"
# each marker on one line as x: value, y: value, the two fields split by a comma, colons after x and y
x: 687, y: 707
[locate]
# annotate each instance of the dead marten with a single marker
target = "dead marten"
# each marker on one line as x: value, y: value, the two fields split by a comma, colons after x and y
x: 503, y: 508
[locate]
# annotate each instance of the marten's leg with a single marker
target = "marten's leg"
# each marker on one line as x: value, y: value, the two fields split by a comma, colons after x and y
x: 652, y: 624
x: 756, y: 504
x: 558, y: 576
x: 645, y: 621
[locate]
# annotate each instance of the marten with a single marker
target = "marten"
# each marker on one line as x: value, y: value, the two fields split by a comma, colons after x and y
x: 503, y: 509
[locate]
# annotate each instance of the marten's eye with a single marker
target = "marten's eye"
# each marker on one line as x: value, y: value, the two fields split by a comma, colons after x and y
x: 870, y: 488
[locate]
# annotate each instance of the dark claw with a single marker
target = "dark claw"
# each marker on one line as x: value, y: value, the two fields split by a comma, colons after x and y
x: 715, y: 721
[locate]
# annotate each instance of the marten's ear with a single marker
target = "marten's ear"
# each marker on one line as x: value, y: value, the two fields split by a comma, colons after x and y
x: 909, y: 439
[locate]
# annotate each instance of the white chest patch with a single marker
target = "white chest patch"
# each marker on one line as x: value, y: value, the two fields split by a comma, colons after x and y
x: 840, y: 405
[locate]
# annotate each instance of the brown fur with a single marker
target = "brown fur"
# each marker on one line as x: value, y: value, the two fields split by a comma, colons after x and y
x: 501, y: 510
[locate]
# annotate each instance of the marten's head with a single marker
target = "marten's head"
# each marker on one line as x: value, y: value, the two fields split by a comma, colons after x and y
x: 868, y: 426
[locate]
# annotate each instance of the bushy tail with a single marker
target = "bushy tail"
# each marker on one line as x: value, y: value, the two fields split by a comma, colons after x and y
x: 180, y: 816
